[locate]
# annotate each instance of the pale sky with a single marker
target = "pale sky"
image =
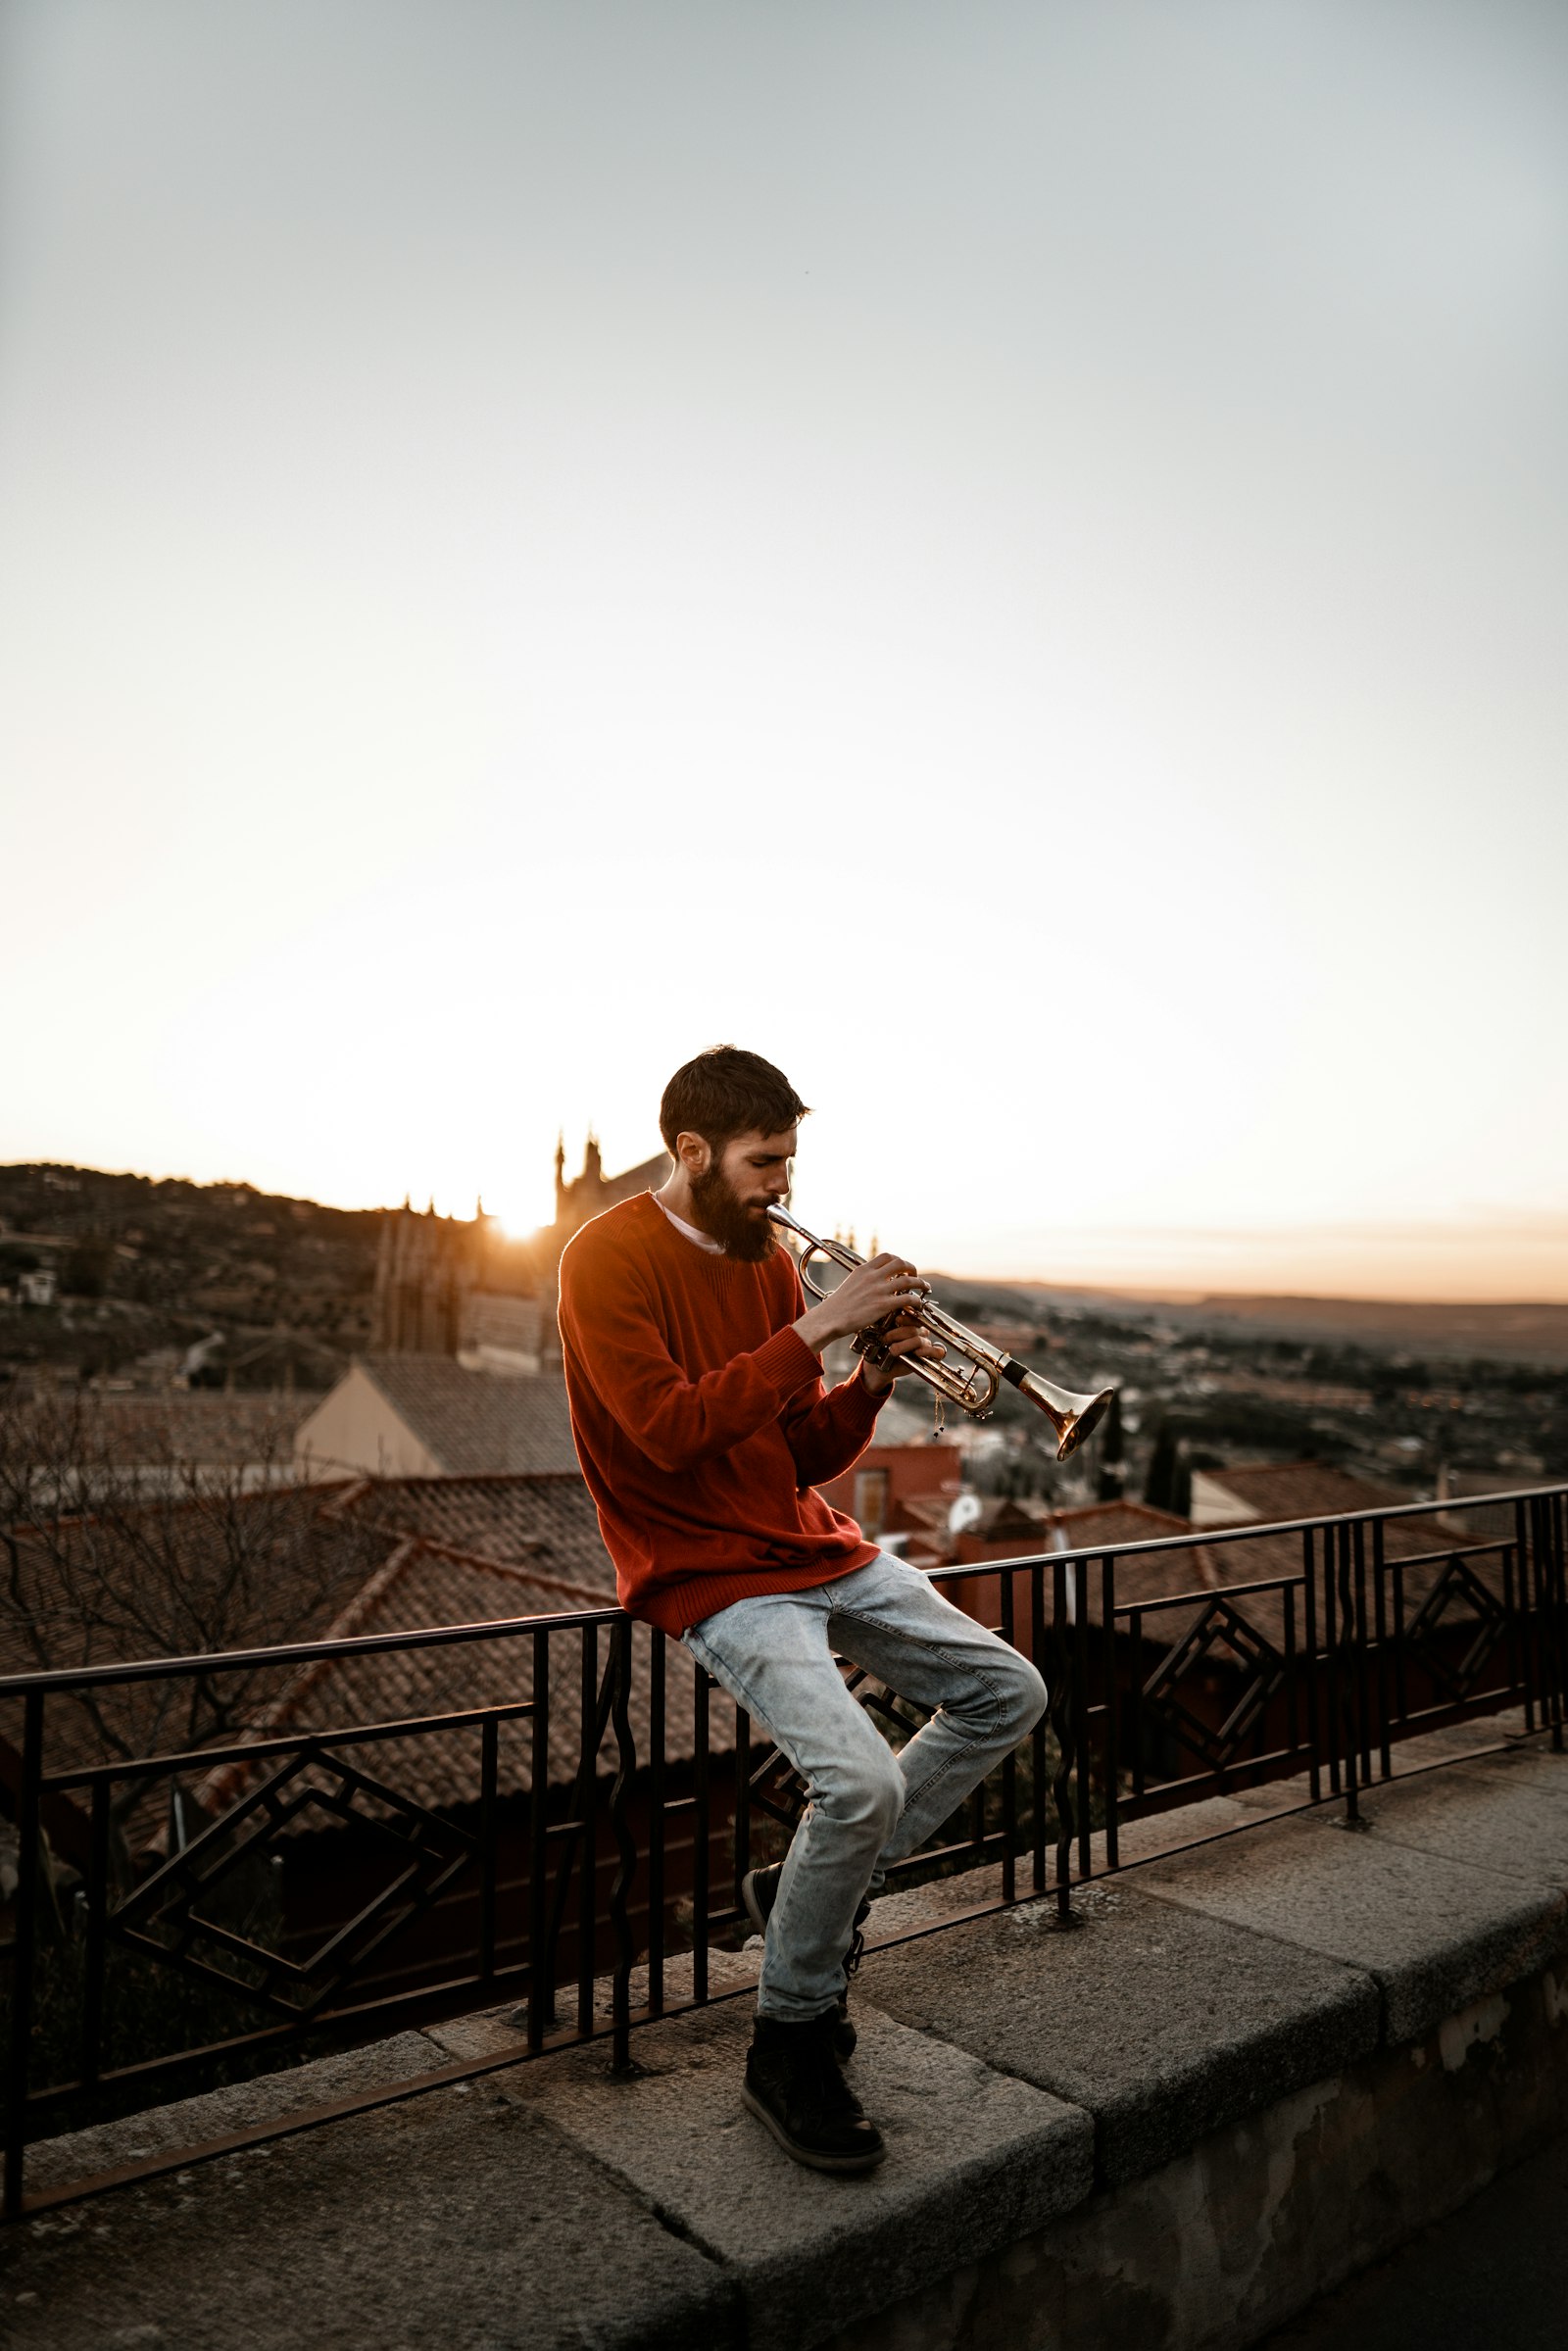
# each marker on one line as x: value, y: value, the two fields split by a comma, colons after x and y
x: 1008, y: 556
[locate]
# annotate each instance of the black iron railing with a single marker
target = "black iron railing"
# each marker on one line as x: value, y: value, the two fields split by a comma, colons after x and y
x: 591, y: 1816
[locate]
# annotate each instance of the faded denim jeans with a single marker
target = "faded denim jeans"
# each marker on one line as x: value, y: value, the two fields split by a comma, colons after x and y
x: 867, y: 1806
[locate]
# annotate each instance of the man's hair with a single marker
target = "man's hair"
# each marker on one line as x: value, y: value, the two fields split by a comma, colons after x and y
x: 725, y: 1093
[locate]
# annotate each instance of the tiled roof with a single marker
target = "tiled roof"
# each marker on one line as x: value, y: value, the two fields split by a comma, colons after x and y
x: 422, y: 1586
x: 170, y: 1578
x: 177, y: 1427
x: 1272, y: 1490
x: 385, y: 1555
x: 478, y: 1423
x: 546, y: 1521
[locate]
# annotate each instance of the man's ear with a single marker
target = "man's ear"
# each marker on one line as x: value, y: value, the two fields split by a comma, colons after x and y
x: 695, y: 1153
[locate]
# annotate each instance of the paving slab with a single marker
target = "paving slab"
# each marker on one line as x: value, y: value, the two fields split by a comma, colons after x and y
x: 1436, y: 1933
x: 1514, y: 1819
x: 974, y: 2161
x: 241, y: 2106
x: 459, y: 2222
x: 1162, y: 2023
x: 1532, y: 1759
x: 502, y: 2032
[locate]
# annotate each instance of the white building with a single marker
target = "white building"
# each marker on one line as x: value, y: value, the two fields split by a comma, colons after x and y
x: 429, y: 1416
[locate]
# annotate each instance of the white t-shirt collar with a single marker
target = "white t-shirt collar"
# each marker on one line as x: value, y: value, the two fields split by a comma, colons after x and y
x: 715, y: 1248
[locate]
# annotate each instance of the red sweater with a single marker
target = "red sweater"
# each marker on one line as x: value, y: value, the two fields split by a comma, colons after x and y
x: 701, y: 1419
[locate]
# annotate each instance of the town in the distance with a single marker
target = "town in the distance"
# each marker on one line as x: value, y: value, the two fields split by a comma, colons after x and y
x: 240, y: 1334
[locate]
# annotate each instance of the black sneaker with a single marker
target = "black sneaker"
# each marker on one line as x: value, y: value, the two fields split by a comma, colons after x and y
x: 758, y: 1892
x: 793, y: 2085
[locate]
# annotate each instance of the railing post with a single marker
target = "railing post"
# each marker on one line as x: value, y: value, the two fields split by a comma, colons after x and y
x: 625, y: 1773
x: 657, y: 1662
x: 1110, y: 1762
x: 1061, y: 1708
x: 740, y: 1838
x: 29, y: 1860
x: 489, y: 1747
x: 702, y: 1830
x: 1381, y: 1619
x: 540, y: 1989
x: 1350, y: 1676
x: 1558, y: 1509
x: 1010, y: 1766
x: 1530, y: 1596
x: 1038, y: 1655
x: 1314, y: 1706
x: 588, y: 1828
x: 1080, y: 1712
x: 92, y: 1996
x: 1544, y: 1531
x: 1559, y: 1545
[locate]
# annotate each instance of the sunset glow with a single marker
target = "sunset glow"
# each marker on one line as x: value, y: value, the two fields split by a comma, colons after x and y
x: 838, y: 531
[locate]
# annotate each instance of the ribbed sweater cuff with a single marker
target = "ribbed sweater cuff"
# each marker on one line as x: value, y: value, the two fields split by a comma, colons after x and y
x: 787, y: 1363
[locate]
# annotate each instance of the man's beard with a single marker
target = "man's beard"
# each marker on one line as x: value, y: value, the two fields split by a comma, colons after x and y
x: 727, y: 1219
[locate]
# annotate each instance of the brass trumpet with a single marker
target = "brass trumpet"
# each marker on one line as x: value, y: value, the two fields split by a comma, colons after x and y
x: 974, y: 1389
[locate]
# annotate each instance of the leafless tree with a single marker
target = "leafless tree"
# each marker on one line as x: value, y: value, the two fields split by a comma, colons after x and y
x: 105, y: 1557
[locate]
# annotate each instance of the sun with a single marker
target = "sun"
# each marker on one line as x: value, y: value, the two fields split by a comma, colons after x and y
x: 515, y: 1214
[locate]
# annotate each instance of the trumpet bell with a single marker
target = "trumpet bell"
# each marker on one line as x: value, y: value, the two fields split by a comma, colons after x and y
x: 1073, y: 1417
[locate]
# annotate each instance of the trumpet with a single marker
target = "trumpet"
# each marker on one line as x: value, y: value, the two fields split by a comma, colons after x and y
x: 974, y: 1382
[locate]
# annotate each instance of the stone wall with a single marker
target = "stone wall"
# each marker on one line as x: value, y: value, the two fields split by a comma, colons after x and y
x: 1249, y: 2069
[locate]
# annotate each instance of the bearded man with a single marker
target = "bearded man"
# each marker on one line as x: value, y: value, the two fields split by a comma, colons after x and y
x: 703, y: 1428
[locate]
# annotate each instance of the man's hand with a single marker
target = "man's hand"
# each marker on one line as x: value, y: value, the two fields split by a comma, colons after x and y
x: 887, y: 1290
x: 905, y: 1347
x: 881, y: 1288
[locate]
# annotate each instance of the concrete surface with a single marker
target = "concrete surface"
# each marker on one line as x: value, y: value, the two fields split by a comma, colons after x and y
x: 1434, y: 1933
x: 1509, y: 1821
x: 975, y: 2160
x: 1292, y: 2049
x: 457, y: 2223
x: 1217, y: 2247
x: 1161, y: 2022
x: 1493, y: 2279
x: 220, y: 2113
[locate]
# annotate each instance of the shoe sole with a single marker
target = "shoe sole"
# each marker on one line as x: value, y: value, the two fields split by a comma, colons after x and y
x: 806, y: 2155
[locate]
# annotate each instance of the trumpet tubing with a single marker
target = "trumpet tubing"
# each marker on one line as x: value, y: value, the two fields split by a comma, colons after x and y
x: 973, y: 1382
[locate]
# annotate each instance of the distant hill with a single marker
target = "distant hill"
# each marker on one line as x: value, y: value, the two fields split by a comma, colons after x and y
x: 1512, y: 1333
x: 145, y: 1266
x: 1504, y: 1333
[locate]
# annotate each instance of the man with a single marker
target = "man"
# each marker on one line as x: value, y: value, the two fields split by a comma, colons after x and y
x: 704, y: 1426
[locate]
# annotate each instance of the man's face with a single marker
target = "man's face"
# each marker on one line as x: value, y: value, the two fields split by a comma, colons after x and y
x: 733, y: 1194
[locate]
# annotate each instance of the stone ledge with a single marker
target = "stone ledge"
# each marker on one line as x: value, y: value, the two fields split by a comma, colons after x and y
x: 974, y: 2161
x: 1235, y: 2237
x: 1210, y: 2031
x: 1436, y: 1933
x: 456, y: 2223
x: 1162, y: 2023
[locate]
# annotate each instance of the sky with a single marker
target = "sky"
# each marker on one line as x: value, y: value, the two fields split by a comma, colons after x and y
x: 1009, y: 556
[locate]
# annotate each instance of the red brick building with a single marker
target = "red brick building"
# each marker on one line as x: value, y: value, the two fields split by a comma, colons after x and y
x: 888, y: 1479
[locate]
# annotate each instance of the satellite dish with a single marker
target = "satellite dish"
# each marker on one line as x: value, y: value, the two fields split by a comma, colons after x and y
x: 965, y: 1514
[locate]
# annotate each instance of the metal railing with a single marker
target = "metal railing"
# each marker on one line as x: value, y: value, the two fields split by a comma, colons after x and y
x: 560, y: 1842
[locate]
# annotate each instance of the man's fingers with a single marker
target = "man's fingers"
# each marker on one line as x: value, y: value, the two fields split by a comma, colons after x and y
x: 914, y: 1343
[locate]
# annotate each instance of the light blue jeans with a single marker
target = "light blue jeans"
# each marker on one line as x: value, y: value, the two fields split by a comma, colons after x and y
x: 867, y: 1806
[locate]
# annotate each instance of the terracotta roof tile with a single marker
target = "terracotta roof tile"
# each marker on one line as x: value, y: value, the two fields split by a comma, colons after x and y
x: 478, y: 1423
x: 423, y: 1586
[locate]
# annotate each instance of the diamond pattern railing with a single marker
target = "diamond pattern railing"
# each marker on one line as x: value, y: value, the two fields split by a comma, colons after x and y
x: 606, y: 1807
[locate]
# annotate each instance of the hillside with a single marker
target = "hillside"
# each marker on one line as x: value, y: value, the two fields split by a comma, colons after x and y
x: 152, y: 1268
